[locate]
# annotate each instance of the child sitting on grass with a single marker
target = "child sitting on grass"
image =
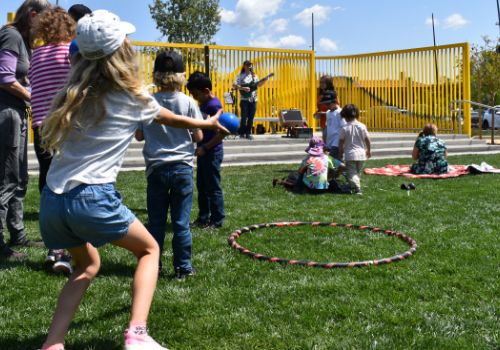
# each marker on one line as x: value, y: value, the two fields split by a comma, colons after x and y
x: 313, y: 172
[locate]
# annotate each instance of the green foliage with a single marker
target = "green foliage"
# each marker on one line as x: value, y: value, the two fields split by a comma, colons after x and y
x: 485, y: 73
x: 187, y: 21
x: 444, y: 297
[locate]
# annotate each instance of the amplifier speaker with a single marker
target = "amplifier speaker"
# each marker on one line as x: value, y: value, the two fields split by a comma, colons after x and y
x: 305, y: 133
x: 291, y: 118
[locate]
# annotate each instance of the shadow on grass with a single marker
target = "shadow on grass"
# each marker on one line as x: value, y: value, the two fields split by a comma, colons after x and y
x: 30, y: 216
x: 101, y: 343
x: 94, y: 343
x: 35, y: 342
x: 17, y: 343
x: 285, y: 171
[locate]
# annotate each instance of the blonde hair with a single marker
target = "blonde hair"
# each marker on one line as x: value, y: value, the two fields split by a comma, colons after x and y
x: 55, y: 26
x: 80, y: 103
x: 169, y: 81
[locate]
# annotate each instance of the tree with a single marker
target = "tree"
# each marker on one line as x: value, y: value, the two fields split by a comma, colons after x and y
x: 485, y: 73
x: 187, y: 21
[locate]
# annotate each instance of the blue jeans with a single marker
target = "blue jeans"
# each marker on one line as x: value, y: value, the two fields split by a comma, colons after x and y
x: 171, y: 186
x: 248, y: 110
x: 210, y: 195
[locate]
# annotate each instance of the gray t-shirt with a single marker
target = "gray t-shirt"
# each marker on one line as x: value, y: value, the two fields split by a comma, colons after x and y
x: 95, y: 155
x: 354, y: 134
x: 11, y: 39
x: 165, y: 144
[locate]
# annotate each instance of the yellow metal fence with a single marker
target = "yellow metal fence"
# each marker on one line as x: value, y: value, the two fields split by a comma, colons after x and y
x: 292, y: 85
x: 403, y: 90
x: 396, y: 91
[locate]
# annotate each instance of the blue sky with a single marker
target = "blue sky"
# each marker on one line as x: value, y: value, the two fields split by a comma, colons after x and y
x: 342, y: 27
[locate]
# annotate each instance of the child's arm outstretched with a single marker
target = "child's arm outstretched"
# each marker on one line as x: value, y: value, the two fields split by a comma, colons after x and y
x: 179, y: 121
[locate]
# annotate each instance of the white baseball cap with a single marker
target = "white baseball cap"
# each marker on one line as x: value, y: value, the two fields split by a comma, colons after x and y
x: 101, y: 33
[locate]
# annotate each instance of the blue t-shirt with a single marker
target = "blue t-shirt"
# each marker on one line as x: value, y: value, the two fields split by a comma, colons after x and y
x: 208, y: 109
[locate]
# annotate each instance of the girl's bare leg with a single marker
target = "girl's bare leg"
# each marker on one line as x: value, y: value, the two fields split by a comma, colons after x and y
x: 140, y: 242
x: 87, y: 263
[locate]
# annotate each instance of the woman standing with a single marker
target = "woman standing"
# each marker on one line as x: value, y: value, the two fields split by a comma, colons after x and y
x: 15, y: 97
x: 325, y: 84
x: 247, y: 83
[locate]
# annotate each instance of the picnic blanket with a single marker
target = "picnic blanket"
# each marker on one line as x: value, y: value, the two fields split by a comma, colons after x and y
x: 453, y: 171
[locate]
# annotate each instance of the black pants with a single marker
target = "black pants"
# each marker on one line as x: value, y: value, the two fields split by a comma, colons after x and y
x: 44, y: 158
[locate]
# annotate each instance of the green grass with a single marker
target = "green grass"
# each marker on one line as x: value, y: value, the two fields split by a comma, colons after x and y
x: 446, y: 296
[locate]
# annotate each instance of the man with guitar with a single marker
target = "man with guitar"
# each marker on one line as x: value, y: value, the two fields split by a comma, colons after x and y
x: 247, y: 83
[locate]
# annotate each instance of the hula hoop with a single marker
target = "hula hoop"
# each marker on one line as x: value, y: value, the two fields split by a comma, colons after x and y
x: 328, y: 265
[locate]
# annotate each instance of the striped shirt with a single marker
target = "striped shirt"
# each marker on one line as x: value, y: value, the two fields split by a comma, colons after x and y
x: 48, y: 73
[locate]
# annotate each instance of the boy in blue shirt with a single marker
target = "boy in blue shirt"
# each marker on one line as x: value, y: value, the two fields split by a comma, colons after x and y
x: 210, y: 154
x: 169, y: 155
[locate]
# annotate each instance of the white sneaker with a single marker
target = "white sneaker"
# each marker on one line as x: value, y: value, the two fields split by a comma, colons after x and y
x: 135, y: 341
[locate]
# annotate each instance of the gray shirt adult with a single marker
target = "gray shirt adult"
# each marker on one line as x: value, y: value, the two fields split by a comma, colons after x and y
x: 165, y: 144
x: 11, y: 40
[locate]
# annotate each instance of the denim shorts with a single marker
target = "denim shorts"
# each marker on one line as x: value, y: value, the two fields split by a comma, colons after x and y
x: 87, y: 213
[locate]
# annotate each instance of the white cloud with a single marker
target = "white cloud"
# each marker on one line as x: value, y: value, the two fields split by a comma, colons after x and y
x: 455, y: 21
x: 292, y: 41
x: 279, y: 25
x: 428, y: 22
x: 250, y: 12
x: 328, y: 45
x: 285, y: 41
x: 263, y: 41
x: 227, y: 16
x: 321, y: 14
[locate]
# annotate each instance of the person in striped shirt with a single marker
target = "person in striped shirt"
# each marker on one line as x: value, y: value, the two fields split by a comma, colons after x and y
x: 48, y: 72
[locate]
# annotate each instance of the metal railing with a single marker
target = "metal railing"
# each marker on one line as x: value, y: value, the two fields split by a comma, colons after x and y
x: 396, y: 91
x: 467, y: 107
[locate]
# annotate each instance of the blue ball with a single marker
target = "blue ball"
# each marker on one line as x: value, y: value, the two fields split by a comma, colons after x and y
x: 73, y: 48
x: 230, y: 121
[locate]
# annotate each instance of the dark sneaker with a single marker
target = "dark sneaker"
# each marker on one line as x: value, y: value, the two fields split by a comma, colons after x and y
x: 213, y: 226
x: 249, y: 137
x: 27, y: 243
x: 200, y: 223
x: 63, y: 264
x: 50, y: 259
x: 6, y: 253
x: 181, y: 274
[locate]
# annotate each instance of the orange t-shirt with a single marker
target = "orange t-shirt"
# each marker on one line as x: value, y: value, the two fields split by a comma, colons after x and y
x: 321, y: 107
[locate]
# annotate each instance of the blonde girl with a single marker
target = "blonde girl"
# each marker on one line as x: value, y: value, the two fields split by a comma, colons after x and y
x: 92, y: 122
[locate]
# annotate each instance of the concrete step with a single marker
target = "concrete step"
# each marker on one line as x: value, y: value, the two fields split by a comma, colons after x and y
x: 275, y: 149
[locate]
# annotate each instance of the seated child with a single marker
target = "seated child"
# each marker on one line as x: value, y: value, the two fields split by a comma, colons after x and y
x: 313, y: 172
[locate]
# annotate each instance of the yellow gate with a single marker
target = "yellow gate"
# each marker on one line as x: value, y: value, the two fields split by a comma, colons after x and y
x: 293, y: 84
x: 401, y: 91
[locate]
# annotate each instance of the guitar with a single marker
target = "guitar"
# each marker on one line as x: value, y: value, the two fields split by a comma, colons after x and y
x: 253, y: 86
